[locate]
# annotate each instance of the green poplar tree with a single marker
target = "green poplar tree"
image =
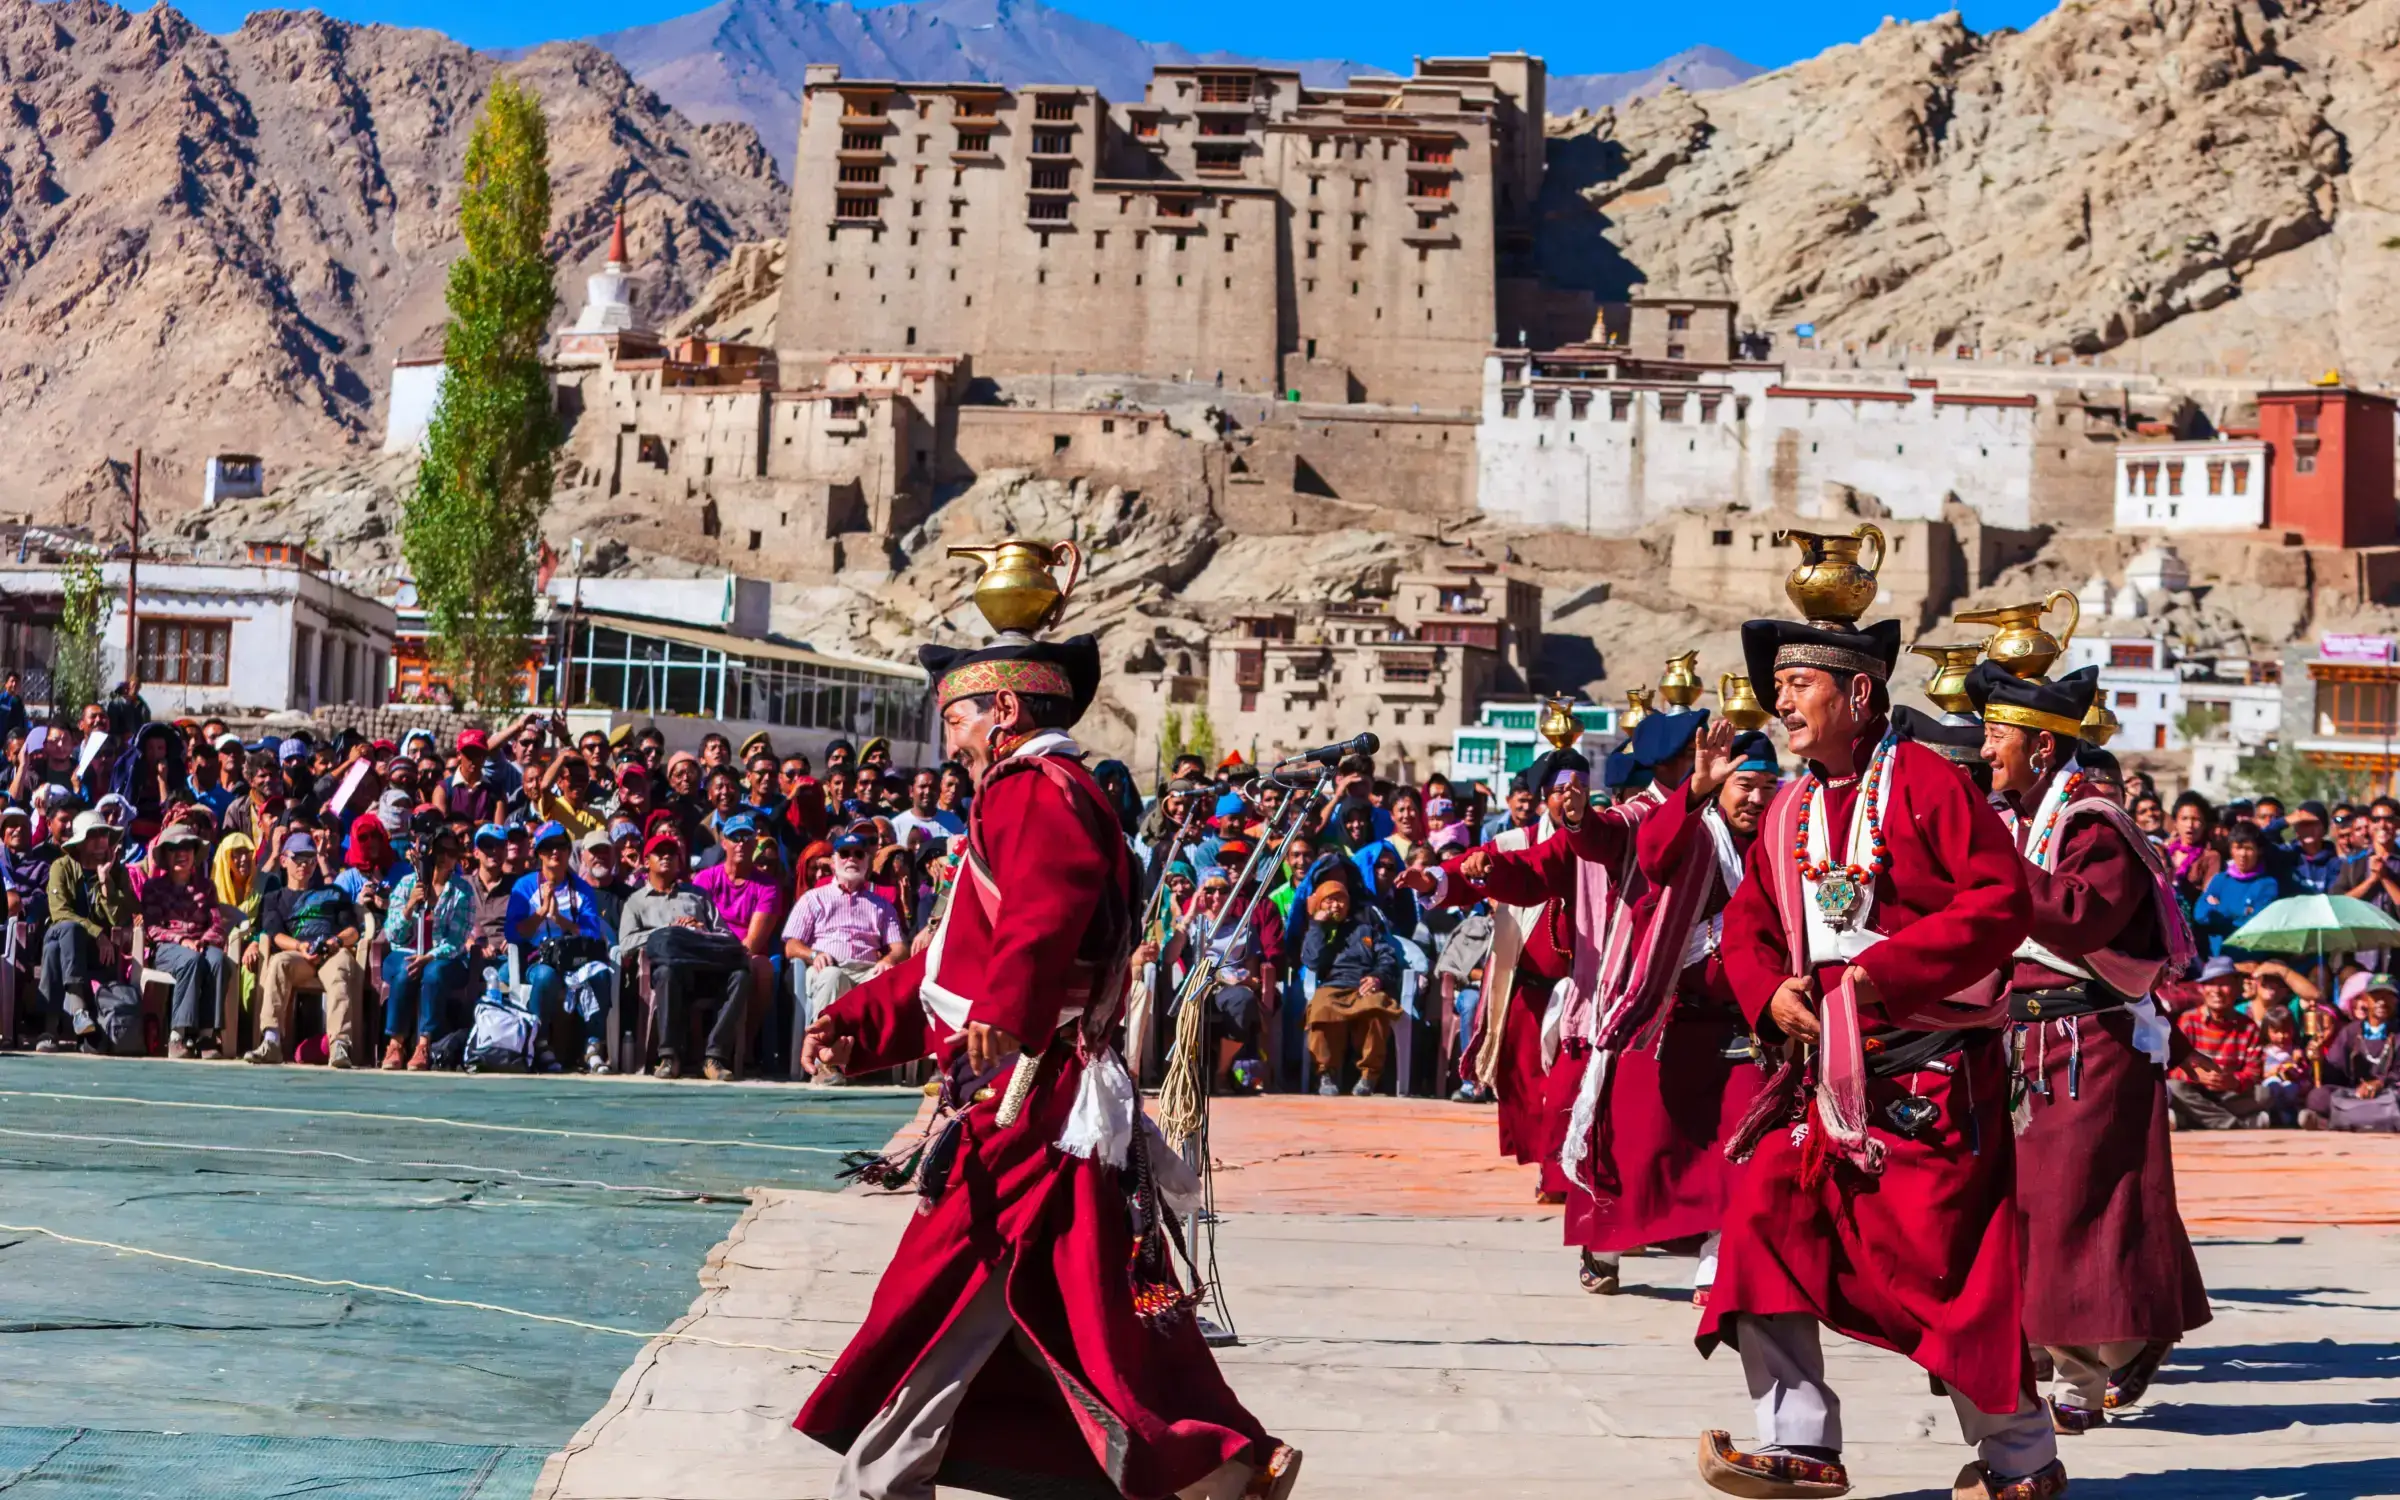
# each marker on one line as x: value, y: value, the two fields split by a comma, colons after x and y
x: 471, y: 529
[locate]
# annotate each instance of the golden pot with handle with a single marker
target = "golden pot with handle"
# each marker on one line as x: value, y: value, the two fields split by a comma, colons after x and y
x: 1947, y: 688
x: 1558, y: 723
x: 1830, y: 582
x: 1637, y: 708
x: 1018, y: 591
x: 1738, y: 703
x: 2018, y: 641
x: 1680, y: 683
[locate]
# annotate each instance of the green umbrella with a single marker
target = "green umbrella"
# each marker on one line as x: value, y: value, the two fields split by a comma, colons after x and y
x: 2316, y: 925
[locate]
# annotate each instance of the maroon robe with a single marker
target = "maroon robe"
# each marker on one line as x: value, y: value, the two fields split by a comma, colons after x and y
x: 1658, y: 1141
x: 1089, y: 1399
x: 2106, y: 1256
x: 1924, y: 1258
x: 1541, y: 875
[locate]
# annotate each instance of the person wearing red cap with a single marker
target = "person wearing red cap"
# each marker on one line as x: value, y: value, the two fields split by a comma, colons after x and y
x: 464, y: 795
x: 693, y: 959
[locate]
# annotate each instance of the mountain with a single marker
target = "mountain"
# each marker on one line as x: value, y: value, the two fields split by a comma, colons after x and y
x: 2213, y: 180
x: 1694, y: 70
x: 744, y: 59
x: 221, y: 243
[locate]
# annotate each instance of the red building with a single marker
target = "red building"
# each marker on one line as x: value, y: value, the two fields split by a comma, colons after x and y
x: 2332, y: 472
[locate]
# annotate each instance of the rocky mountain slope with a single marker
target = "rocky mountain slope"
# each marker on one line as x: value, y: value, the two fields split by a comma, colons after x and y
x: 2214, y: 179
x: 221, y: 243
x: 1694, y: 70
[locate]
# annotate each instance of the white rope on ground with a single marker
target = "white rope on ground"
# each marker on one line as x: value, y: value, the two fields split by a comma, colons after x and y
x: 361, y: 1114
x: 371, y: 1161
x: 393, y: 1291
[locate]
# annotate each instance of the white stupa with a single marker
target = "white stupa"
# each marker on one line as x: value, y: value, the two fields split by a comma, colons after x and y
x: 2156, y: 569
x: 2092, y: 598
x: 608, y: 294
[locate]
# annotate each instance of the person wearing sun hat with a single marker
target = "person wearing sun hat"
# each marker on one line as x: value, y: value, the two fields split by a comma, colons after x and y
x: 1866, y: 945
x: 1033, y: 1209
x: 2111, y: 1283
x: 92, y: 909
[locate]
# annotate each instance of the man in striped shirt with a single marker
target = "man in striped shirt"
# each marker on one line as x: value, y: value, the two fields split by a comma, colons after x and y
x: 2220, y: 1058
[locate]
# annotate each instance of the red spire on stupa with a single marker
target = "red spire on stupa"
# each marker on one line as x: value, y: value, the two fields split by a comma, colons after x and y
x: 616, y: 238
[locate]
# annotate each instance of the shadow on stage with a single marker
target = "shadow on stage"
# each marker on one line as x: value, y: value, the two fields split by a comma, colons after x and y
x: 2235, y: 1421
x: 2323, y: 1359
x: 2340, y: 1480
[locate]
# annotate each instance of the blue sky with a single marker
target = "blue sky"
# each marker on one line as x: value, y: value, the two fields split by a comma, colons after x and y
x: 1575, y: 37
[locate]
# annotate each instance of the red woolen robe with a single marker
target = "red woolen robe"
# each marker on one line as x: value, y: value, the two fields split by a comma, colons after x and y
x: 1090, y: 1399
x: 1534, y: 1100
x: 1658, y: 1156
x: 1923, y: 1259
x: 2106, y: 1256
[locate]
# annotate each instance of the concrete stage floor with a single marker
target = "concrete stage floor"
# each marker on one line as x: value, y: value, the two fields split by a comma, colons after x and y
x: 1411, y: 1321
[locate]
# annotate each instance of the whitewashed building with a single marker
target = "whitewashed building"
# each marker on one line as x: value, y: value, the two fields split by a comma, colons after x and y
x: 273, y: 633
x: 2218, y: 485
x: 2150, y: 690
x: 1594, y: 440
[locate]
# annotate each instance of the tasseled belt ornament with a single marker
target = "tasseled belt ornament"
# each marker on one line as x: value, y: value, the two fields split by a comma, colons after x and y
x: 929, y: 1162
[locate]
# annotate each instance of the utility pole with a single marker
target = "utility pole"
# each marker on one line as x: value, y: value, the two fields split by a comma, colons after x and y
x: 133, y: 566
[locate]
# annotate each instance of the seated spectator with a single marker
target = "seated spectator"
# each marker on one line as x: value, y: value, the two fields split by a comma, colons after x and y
x: 1357, y: 997
x: 2361, y: 1087
x: 2243, y: 889
x: 604, y: 869
x: 1245, y: 978
x: 2284, y: 1079
x: 554, y: 916
x: 926, y: 821
x: 841, y: 934
x: 185, y: 929
x: 429, y: 941
x: 2191, y: 848
x: 2220, y: 1058
x: 91, y: 931
x: 749, y: 900
x: 464, y: 793
x: 693, y: 961
x: 311, y: 931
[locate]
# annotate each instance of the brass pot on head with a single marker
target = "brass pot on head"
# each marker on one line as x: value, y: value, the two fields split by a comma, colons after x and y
x: 1830, y: 583
x: 1558, y: 723
x: 1637, y: 708
x: 2018, y: 641
x: 1738, y: 705
x: 1680, y: 683
x: 1947, y: 688
x: 1018, y: 592
x: 2100, y: 725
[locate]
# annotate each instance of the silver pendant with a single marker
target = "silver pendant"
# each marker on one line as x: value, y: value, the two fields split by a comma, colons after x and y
x: 1839, y: 897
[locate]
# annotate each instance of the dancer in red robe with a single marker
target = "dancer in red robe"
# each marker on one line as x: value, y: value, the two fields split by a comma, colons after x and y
x: 1668, y: 1064
x: 1513, y: 1044
x: 2111, y: 1283
x: 1026, y: 1339
x: 1875, y: 913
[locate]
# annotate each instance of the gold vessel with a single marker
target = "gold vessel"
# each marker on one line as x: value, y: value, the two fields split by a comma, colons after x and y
x: 1830, y: 582
x: 1680, y: 683
x: 1947, y: 688
x: 1558, y: 723
x: 2018, y: 641
x: 1018, y: 590
x: 2100, y: 725
x: 1738, y: 703
x: 1637, y: 708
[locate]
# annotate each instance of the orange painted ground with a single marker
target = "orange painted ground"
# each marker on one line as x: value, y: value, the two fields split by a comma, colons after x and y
x: 1289, y: 1153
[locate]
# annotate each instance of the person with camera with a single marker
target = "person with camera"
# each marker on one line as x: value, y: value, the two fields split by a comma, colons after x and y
x: 554, y: 918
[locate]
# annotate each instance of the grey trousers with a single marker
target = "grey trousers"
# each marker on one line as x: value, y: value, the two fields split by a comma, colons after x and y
x: 898, y: 1453
x: 2083, y: 1370
x: 2196, y: 1108
x: 1784, y: 1362
x: 199, y: 974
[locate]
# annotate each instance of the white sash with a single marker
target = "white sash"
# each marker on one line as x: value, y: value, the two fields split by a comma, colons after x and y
x: 1825, y: 945
x: 2151, y: 1035
x: 1708, y: 933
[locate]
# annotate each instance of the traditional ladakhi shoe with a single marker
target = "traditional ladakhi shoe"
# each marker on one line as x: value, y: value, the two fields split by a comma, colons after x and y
x: 2127, y: 1385
x: 1599, y: 1277
x: 1274, y: 1478
x: 1975, y: 1482
x: 1768, y: 1476
x: 2074, y: 1421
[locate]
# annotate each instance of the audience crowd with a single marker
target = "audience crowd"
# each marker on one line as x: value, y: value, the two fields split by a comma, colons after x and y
x: 534, y: 900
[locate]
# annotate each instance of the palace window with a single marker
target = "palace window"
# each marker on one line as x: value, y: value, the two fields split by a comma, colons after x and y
x: 192, y: 655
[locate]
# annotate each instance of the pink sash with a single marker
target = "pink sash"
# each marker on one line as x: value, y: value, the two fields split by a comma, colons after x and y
x: 2120, y: 972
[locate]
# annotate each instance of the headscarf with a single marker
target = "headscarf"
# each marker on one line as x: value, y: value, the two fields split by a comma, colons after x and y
x: 805, y: 810
x: 121, y: 774
x: 392, y: 810
x: 370, y: 849
x: 1324, y: 890
x: 820, y: 849
x: 1117, y: 782
x: 231, y: 891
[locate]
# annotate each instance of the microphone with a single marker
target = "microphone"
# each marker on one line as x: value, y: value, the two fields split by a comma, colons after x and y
x: 1326, y: 755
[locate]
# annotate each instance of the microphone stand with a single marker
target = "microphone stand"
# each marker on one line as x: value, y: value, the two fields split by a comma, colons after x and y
x: 1184, y: 1095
